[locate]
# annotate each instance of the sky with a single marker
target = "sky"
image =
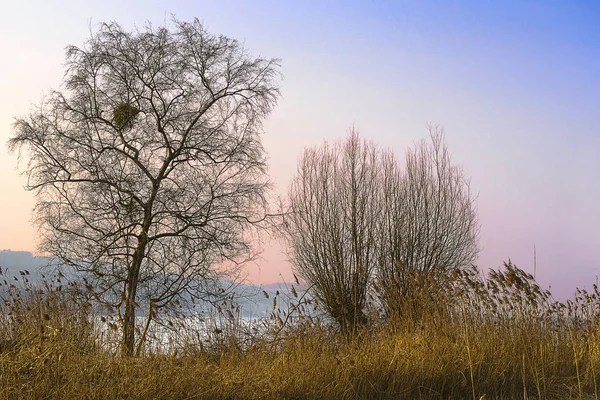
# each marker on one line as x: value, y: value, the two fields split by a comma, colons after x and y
x: 515, y: 85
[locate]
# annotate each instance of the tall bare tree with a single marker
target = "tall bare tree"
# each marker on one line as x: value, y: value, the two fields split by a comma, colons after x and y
x: 148, y: 167
x: 331, y: 225
x: 429, y: 222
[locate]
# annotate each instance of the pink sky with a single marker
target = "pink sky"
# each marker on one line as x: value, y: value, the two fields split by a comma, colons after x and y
x: 514, y: 85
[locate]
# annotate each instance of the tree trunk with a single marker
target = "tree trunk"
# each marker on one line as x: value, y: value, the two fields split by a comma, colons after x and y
x: 128, y: 340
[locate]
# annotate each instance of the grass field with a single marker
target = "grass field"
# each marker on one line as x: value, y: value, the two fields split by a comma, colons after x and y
x: 500, y: 337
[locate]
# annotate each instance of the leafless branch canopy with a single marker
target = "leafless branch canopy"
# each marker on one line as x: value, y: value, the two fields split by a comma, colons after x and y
x: 356, y: 218
x: 332, y: 224
x: 429, y: 221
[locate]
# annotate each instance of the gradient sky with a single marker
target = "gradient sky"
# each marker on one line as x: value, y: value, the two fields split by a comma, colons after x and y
x: 515, y: 84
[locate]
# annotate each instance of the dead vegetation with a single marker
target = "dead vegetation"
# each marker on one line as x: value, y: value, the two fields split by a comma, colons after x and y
x: 502, y: 337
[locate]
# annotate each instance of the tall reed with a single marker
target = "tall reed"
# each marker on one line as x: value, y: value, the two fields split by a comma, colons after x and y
x: 496, y: 337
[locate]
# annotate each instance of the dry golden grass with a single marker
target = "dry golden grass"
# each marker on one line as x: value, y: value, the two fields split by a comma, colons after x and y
x: 502, y: 340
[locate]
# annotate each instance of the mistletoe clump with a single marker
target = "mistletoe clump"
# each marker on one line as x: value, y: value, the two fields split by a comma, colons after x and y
x: 124, y: 115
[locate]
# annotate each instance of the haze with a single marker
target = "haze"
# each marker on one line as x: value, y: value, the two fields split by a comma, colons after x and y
x: 514, y: 84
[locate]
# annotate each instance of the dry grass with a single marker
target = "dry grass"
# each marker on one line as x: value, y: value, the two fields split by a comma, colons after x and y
x: 502, y: 338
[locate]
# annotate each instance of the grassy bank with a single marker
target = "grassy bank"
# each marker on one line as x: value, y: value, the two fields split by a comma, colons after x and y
x: 502, y: 337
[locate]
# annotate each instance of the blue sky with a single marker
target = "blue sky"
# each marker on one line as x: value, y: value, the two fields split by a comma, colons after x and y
x: 514, y: 84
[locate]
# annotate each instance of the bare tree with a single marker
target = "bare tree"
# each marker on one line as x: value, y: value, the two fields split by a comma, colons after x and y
x: 148, y: 167
x: 355, y: 218
x: 429, y: 223
x: 331, y: 225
